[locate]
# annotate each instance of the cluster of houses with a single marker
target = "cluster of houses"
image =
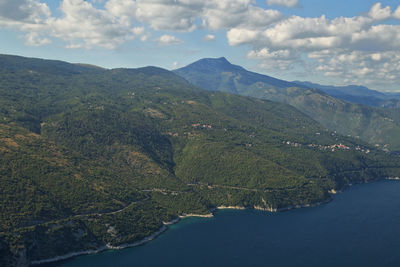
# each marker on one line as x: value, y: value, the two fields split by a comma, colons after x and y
x: 336, y: 147
x: 204, y: 126
x: 358, y: 148
x: 185, y: 134
x: 332, y: 148
x: 290, y: 143
x: 190, y: 134
x: 173, y: 134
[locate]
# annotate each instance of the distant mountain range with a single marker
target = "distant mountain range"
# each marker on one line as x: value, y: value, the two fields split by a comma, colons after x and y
x: 358, y: 94
x: 377, y: 126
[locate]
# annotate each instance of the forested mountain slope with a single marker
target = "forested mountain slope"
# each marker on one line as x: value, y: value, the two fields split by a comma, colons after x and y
x: 92, y: 157
x: 378, y: 126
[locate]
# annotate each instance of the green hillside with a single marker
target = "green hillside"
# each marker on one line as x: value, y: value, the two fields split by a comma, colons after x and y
x: 93, y: 157
x: 378, y: 126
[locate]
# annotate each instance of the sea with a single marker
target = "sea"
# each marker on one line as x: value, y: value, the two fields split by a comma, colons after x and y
x: 360, y: 227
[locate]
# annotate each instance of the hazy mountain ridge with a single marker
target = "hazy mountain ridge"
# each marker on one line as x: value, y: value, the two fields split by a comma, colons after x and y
x: 358, y: 94
x: 374, y: 125
x: 93, y: 157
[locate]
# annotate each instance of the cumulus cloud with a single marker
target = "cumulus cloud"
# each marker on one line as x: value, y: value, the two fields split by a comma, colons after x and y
x: 179, y: 15
x: 169, y: 40
x: 282, y: 59
x: 378, y: 12
x: 359, y: 49
x: 184, y: 15
x: 396, y: 14
x: 361, y: 67
x: 209, y: 38
x: 83, y: 25
x: 238, y: 36
x: 288, y: 3
x: 17, y: 12
x: 226, y: 14
x: 28, y: 16
x: 34, y: 39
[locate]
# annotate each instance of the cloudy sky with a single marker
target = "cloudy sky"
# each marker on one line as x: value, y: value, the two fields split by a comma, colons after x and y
x: 326, y: 41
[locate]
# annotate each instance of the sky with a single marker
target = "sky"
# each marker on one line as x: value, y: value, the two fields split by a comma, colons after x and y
x: 335, y: 42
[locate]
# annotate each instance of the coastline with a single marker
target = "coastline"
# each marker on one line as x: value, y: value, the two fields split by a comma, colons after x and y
x: 149, y: 238
x: 104, y: 248
x: 69, y: 255
x: 208, y: 215
x: 164, y: 228
x: 152, y: 236
x: 165, y: 225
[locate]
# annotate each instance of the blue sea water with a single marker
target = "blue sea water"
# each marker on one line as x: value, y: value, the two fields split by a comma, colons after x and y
x: 360, y: 227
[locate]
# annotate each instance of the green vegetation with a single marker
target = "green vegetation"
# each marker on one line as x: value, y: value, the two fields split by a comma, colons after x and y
x: 93, y: 157
x: 378, y: 126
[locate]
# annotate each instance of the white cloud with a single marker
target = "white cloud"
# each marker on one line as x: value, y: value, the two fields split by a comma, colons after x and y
x: 168, y: 40
x: 121, y: 7
x: 81, y: 25
x: 396, y: 14
x: 266, y: 54
x: 241, y: 36
x: 358, y: 49
x: 226, y: 14
x: 377, y: 38
x: 360, y: 67
x: 376, y: 56
x: 288, y: 3
x: 184, y: 15
x: 34, y: 39
x: 209, y: 38
x: 283, y: 59
x: 377, y: 12
x: 28, y: 16
x: 178, y: 15
x: 84, y: 25
x: 22, y: 11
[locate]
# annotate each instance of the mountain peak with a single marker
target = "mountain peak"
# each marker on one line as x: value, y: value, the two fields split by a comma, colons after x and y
x: 215, y: 61
x: 222, y: 59
x: 212, y: 65
x: 219, y: 74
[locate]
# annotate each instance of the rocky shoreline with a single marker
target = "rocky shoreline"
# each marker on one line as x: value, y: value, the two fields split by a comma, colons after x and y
x: 69, y: 255
x: 188, y: 215
x: 101, y: 249
x: 208, y: 215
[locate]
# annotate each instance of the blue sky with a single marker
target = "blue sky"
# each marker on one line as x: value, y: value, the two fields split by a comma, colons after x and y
x: 325, y: 41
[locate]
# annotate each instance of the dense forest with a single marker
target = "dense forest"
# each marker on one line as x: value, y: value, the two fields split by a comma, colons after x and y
x: 92, y: 157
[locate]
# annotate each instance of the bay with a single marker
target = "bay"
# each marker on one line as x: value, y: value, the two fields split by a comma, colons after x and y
x: 360, y: 227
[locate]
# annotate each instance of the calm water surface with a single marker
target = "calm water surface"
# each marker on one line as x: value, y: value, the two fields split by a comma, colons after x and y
x: 361, y: 227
